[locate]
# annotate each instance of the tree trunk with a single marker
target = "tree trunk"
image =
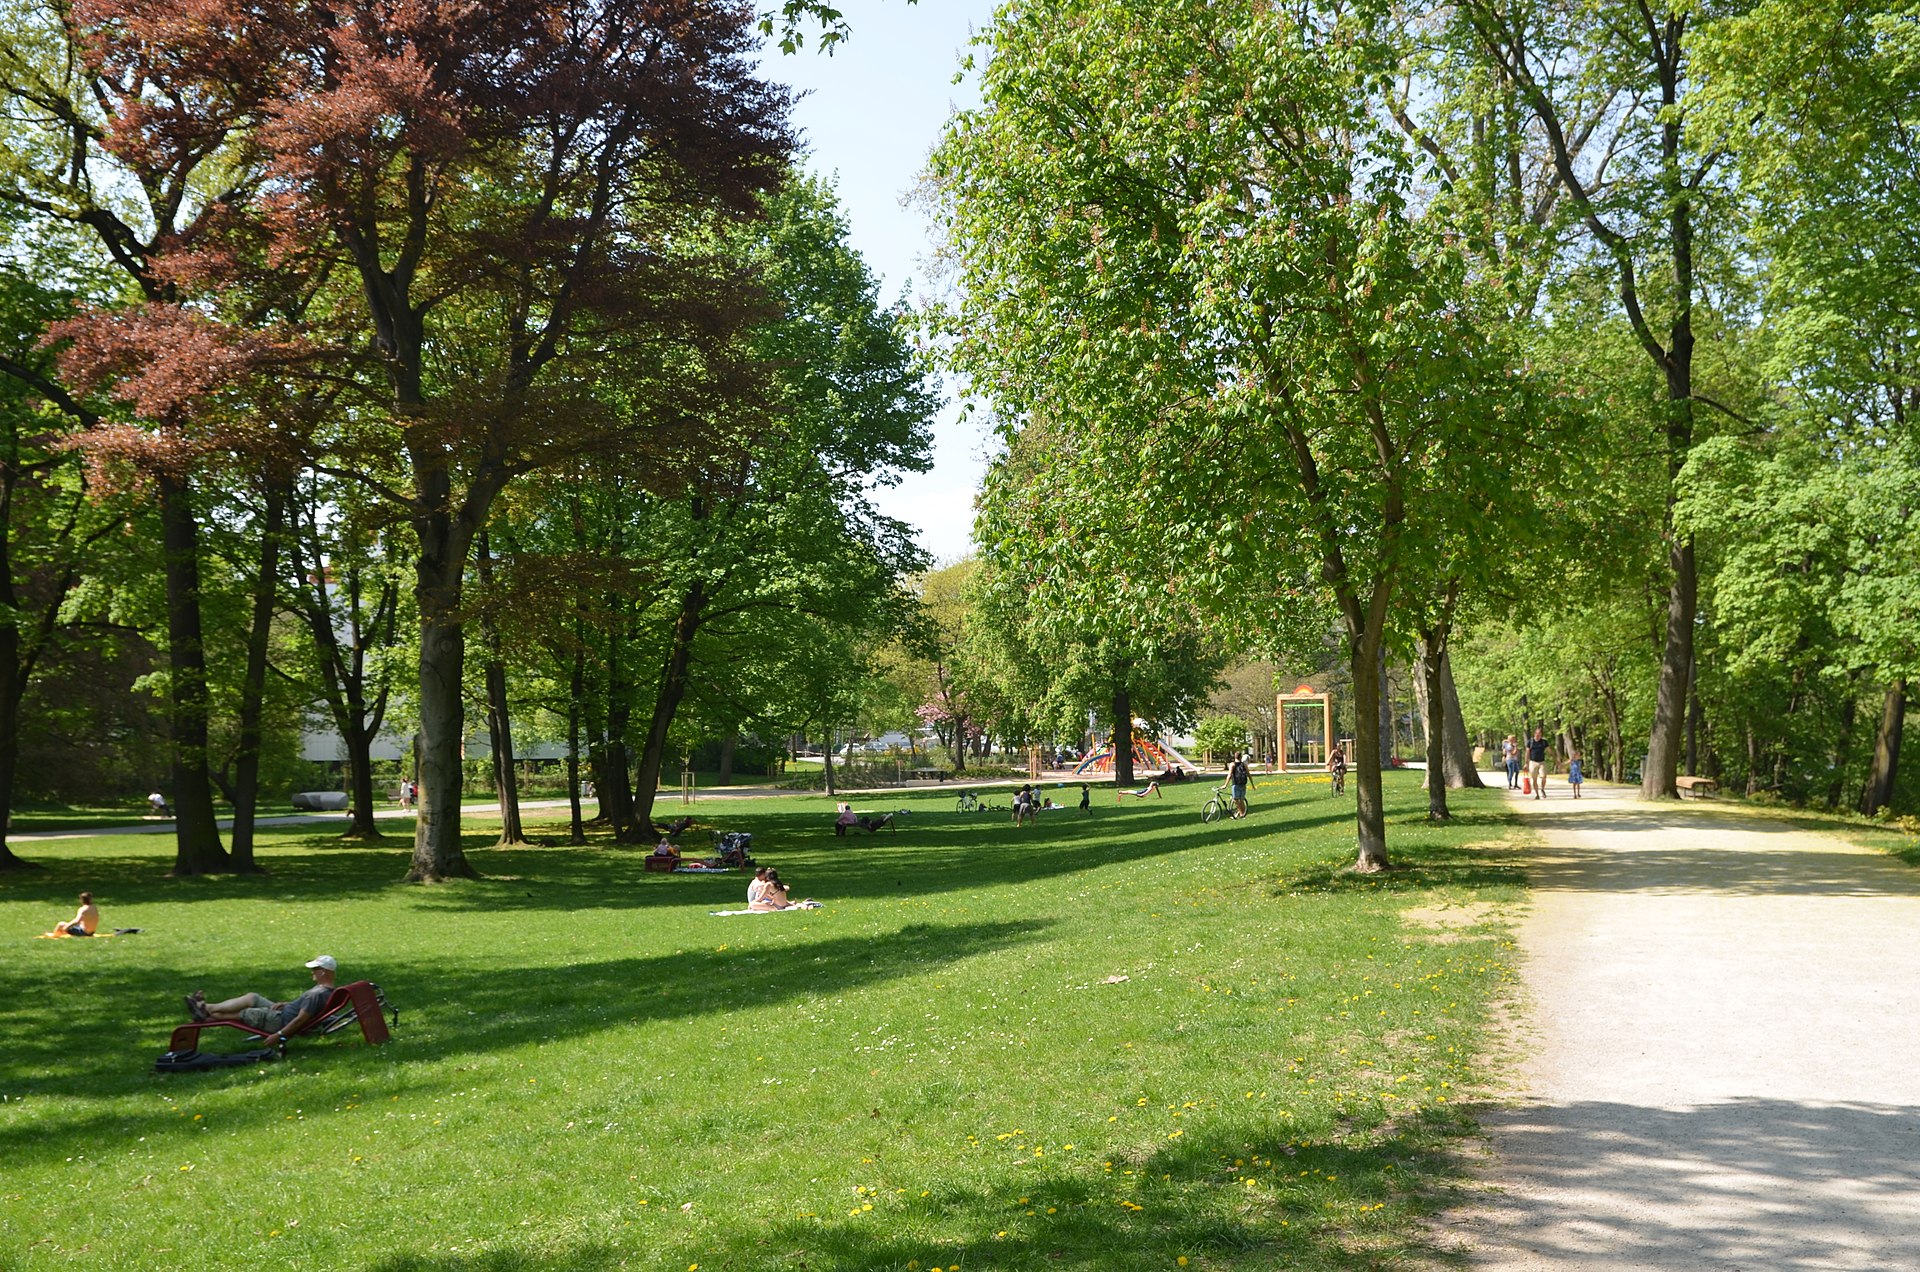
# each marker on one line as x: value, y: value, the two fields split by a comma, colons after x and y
x: 666, y: 702
x: 506, y: 780
x: 727, y: 747
x: 246, y: 762
x: 1693, y: 715
x: 1843, y: 741
x: 1122, y: 734
x: 1384, y: 712
x: 1432, y: 695
x: 1462, y: 773
x: 437, y: 854
x: 612, y: 782
x: 826, y: 765
x: 1364, y: 658
x: 1878, y: 792
x: 343, y: 671
x: 959, y: 745
x: 361, y: 826
x: 1616, y: 742
x: 506, y: 777
x: 576, y: 692
x: 196, y: 828
x: 11, y: 686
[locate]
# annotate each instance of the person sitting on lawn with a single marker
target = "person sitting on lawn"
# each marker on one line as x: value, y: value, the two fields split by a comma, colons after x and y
x: 158, y: 803
x: 776, y: 898
x: 666, y: 848
x: 846, y: 818
x: 757, y: 890
x: 84, y: 923
x: 261, y: 1012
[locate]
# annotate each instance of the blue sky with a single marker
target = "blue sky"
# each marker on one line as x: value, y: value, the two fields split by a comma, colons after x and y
x: 871, y: 112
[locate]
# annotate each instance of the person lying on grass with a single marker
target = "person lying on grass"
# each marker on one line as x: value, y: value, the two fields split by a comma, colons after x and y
x: 261, y: 1012
x: 86, y: 922
x: 775, y: 897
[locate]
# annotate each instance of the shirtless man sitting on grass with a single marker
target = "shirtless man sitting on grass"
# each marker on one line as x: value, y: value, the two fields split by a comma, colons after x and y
x: 261, y: 1012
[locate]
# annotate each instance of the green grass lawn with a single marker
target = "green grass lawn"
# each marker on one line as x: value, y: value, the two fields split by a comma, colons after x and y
x: 1125, y: 1041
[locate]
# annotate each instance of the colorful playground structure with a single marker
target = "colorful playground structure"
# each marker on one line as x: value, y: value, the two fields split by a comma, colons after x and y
x: 1148, y: 753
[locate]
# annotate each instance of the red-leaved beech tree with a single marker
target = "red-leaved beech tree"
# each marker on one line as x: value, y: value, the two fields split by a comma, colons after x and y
x: 511, y: 204
x: 201, y: 397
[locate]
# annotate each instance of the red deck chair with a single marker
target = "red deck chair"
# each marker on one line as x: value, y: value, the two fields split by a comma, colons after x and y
x: 360, y: 1001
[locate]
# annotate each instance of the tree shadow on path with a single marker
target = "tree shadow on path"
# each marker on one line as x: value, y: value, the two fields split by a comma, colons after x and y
x: 1670, y: 851
x: 1756, y: 1184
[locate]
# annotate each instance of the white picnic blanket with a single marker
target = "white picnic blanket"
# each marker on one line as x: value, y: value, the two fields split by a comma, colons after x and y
x: 798, y: 905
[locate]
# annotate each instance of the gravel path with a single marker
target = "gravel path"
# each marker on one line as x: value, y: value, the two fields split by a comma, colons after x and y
x: 1722, y: 1050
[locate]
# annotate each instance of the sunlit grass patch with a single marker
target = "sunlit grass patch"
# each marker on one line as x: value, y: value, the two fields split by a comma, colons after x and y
x: 1112, y: 1041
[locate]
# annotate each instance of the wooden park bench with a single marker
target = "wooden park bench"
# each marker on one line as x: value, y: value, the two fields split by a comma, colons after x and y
x: 1695, y: 787
x: 928, y: 774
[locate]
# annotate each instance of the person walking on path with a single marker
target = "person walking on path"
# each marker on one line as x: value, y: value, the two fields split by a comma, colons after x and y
x: 1510, y: 761
x: 1574, y: 775
x: 1537, y: 762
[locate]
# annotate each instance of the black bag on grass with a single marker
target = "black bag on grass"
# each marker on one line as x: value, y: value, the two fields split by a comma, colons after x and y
x: 189, y: 1061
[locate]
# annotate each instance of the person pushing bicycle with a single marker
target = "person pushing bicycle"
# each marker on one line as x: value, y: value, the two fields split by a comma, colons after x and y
x: 1337, y: 765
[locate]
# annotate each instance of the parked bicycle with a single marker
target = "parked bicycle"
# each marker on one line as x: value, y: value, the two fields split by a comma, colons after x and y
x: 969, y: 802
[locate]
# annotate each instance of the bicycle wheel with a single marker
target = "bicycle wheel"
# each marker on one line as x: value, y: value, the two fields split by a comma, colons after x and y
x: 1211, y: 809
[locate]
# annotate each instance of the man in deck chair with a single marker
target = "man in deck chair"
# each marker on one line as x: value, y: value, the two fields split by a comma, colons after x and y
x: 261, y: 1012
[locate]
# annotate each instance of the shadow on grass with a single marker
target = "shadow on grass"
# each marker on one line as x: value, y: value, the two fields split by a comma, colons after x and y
x: 931, y: 854
x: 934, y: 849
x: 446, y: 1013
x: 1425, y: 855
x: 1345, y: 1206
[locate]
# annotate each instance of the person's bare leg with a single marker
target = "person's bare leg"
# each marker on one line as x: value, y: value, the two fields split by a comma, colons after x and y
x: 231, y: 1008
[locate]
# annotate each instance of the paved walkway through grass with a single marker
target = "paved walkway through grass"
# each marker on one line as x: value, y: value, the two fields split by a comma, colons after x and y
x: 1722, y: 1040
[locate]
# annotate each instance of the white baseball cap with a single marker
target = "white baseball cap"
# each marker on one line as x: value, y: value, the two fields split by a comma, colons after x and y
x: 326, y: 961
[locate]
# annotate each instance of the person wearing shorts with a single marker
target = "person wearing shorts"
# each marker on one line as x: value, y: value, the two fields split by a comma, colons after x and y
x: 276, y: 1018
x: 1537, y: 763
x: 1239, y: 777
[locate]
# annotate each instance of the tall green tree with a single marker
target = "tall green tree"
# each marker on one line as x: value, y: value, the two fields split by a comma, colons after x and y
x: 505, y: 237
x: 1593, y: 96
x: 1191, y: 247
x: 1816, y: 102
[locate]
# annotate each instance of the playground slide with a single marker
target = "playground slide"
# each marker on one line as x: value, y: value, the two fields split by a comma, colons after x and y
x: 1148, y: 753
